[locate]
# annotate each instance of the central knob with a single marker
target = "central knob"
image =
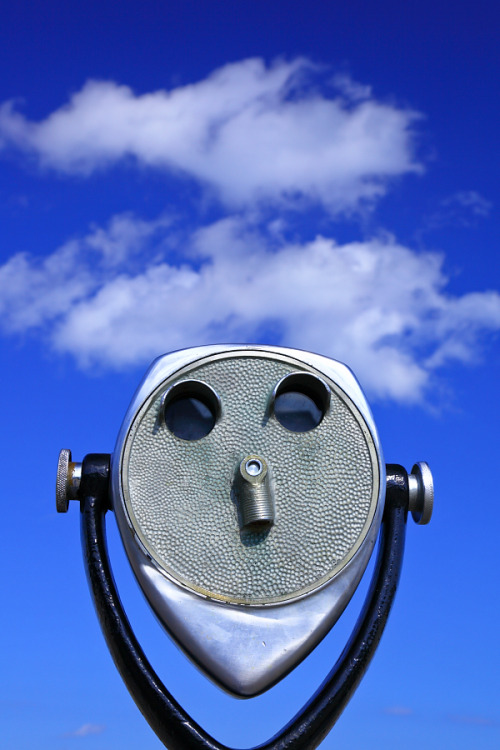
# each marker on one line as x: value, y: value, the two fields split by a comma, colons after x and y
x: 255, y: 497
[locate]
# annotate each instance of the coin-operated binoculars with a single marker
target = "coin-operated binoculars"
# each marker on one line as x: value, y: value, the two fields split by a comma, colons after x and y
x: 249, y: 489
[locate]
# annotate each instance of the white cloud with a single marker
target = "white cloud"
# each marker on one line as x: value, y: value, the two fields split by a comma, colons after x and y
x: 376, y: 305
x: 36, y: 291
x: 253, y: 136
x: 248, y: 132
x: 125, y: 236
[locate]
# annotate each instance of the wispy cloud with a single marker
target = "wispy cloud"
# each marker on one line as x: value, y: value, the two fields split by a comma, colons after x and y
x: 398, y: 711
x: 462, y: 209
x: 478, y: 721
x: 351, y: 89
x: 376, y: 304
x: 86, y: 729
x: 471, y: 200
x: 248, y: 132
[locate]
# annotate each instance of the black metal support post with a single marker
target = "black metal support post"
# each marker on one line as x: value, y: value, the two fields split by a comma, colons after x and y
x: 174, y: 727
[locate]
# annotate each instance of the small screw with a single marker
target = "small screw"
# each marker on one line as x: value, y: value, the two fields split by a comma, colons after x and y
x: 421, y: 493
x: 67, y: 481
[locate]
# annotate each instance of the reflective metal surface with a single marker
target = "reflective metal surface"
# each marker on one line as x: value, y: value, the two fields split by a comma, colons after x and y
x: 236, y: 604
x: 421, y: 493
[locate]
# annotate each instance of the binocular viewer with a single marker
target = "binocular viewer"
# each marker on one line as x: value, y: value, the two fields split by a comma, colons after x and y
x: 249, y: 489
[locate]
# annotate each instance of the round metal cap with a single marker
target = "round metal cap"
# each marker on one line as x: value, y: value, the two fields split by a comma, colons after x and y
x: 421, y: 486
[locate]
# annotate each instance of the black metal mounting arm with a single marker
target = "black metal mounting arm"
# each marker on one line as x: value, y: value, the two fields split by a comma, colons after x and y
x: 174, y: 727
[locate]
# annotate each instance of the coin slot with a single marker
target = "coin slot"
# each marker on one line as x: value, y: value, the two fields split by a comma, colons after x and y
x: 300, y: 401
x: 191, y: 409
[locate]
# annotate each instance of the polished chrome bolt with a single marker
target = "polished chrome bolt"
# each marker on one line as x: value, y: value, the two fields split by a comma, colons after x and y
x: 421, y: 493
x: 68, y: 478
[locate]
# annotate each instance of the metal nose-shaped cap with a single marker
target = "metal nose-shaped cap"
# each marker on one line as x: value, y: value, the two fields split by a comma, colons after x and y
x: 254, y: 493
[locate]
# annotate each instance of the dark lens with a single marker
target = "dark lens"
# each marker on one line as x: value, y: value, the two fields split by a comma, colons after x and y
x: 297, y: 412
x: 191, y: 410
x: 300, y: 402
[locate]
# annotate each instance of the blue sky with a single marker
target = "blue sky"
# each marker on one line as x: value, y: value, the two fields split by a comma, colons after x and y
x: 319, y: 177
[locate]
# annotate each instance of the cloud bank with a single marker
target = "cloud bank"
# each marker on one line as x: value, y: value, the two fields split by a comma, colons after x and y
x: 260, y: 139
x: 117, y: 297
x: 249, y: 133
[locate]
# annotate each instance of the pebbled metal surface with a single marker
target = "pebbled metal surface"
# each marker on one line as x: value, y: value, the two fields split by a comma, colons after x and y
x: 180, y: 500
